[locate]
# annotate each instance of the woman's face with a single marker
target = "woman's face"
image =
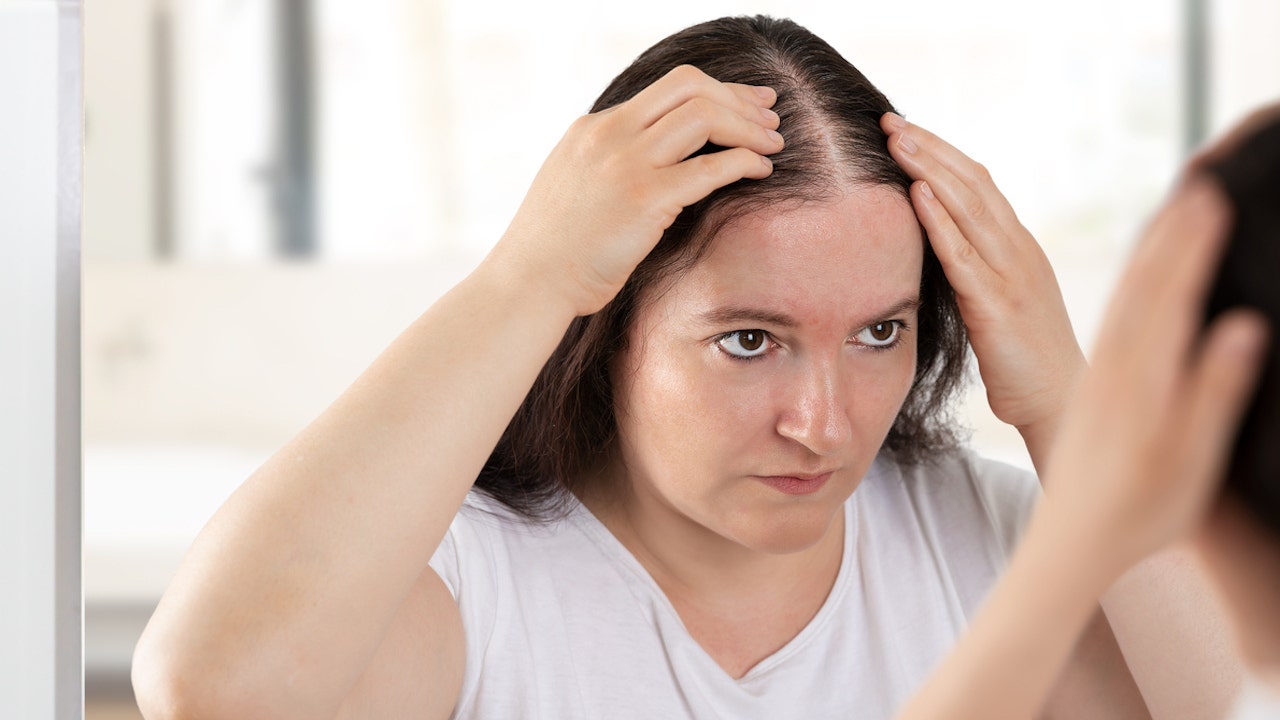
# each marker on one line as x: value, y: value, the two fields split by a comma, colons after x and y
x: 759, y: 386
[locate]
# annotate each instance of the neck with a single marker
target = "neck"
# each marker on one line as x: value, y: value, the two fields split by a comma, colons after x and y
x: 739, y: 604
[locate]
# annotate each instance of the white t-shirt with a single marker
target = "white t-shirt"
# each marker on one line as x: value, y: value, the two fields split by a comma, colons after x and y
x: 1257, y: 702
x: 561, y: 621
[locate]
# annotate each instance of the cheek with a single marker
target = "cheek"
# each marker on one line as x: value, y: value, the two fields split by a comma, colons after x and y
x: 880, y: 387
x: 680, y: 415
x: 680, y: 397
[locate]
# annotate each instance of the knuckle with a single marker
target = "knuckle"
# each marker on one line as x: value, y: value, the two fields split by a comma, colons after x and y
x: 976, y: 209
x: 636, y: 192
x: 981, y: 173
x: 585, y: 126
x: 686, y: 74
x: 714, y: 164
x: 963, y: 251
x: 590, y: 130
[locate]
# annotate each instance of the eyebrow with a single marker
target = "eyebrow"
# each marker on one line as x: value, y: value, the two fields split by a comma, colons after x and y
x: 738, y: 314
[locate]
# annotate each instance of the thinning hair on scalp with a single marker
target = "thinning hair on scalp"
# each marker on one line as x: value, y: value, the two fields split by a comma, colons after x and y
x: 565, y: 430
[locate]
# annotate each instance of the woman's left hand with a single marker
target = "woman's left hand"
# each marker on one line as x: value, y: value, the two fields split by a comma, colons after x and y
x: 1027, y: 352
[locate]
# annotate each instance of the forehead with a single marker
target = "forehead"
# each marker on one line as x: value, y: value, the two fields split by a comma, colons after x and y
x: 855, y: 252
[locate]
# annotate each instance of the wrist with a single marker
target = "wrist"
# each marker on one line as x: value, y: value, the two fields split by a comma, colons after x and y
x: 1040, y: 432
x: 505, y: 276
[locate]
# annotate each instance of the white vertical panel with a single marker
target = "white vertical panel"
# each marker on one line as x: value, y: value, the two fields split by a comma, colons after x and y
x: 40, y: 605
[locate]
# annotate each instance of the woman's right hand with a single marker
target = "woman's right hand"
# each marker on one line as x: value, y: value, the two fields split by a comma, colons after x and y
x: 620, y: 177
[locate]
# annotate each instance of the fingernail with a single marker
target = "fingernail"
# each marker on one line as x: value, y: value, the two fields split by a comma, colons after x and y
x: 895, y: 121
x: 765, y: 93
x: 906, y: 144
x: 774, y: 136
x: 769, y: 116
x: 928, y: 191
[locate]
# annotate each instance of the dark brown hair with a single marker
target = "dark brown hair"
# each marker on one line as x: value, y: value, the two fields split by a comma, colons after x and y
x: 830, y: 116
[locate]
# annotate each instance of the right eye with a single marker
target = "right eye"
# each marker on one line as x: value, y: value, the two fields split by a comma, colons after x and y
x: 745, y: 344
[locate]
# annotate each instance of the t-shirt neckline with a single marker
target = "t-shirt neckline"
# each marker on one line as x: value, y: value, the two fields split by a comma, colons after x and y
x: 646, y: 588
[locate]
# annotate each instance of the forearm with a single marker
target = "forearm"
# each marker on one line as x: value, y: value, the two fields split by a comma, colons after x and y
x: 1172, y: 633
x: 287, y: 591
x: 1010, y: 657
x: 1175, y: 638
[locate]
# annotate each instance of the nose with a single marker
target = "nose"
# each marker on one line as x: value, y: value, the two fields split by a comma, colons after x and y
x: 816, y: 415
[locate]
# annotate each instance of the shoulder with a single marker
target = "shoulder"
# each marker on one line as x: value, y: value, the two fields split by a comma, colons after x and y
x: 483, y: 516
x: 488, y: 540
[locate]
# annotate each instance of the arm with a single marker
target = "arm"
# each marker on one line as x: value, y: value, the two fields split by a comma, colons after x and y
x: 308, y: 594
x: 288, y: 591
x: 1031, y: 365
x: 1135, y: 467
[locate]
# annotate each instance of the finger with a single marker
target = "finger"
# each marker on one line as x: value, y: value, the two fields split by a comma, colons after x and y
x: 1161, y: 293
x: 684, y: 130
x: 970, y: 213
x: 966, y: 270
x: 760, y: 96
x: 914, y: 143
x: 972, y: 200
x: 1221, y: 382
x: 695, y: 178
x: 686, y: 82
x: 1178, y: 255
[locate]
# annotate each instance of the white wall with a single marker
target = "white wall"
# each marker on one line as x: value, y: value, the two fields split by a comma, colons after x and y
x: 40, y: 603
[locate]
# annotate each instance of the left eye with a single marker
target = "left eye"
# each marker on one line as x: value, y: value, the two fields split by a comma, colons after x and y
x: 882, y: 334
x: 745, y: 343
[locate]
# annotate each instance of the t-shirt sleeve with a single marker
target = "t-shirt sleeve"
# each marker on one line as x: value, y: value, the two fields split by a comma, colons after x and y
x: 468, y: 561
x: 445, y: 562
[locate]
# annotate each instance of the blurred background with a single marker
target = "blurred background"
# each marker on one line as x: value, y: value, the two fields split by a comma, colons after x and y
x: 275, y: 188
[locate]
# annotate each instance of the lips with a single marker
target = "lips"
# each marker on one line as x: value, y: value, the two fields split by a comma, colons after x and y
x: 796, y: 484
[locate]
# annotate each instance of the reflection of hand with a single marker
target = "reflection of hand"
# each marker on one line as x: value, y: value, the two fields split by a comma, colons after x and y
x: 620, y: 177
x: 1133, y: 468
x: 1009, y: 298
x: 1146, y: 441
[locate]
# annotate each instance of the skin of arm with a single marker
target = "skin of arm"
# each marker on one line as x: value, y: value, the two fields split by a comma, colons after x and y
x: 1135, y: 468
x: 308, y: 594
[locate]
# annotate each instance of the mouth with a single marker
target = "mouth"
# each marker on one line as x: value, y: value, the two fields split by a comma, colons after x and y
x: 799, y: 484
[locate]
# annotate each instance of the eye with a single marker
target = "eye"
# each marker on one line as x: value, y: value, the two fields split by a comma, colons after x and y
x: 880, y: 335
x: 744, y: 343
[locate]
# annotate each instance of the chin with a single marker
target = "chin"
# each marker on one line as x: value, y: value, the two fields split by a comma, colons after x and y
x: 788, y: 530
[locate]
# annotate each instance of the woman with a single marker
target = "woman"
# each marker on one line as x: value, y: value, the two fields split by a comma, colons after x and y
x: 688, y: 350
